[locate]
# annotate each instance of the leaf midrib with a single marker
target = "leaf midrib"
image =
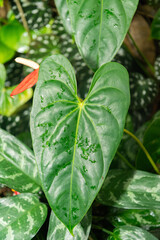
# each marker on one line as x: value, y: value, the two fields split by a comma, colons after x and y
x: 73, y: 159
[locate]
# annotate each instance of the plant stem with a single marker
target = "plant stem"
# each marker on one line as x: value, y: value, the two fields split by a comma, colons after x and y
x: 103, y: 229
x: 125, y: 160
x: 140, y: 53
x: 144, y: 150
x: 24, y: 21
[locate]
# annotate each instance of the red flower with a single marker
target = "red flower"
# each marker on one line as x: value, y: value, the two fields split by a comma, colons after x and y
x: 28, y: 81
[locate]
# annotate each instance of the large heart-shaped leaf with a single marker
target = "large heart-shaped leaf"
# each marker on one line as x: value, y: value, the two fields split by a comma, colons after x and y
x: 17, y: 164
x: 100, y: 27
x: 21, y: 217
x: 57, y: 230
x: 131, y: 233
x: 74, y: 141
x: 131, y: 190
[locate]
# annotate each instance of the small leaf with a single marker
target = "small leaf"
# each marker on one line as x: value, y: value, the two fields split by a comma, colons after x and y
x: 6, y: 53
x: 147, y: 219
x: 64, y: 13
x: 9, y: 105
x: 155, y: 27
x: 57, y: 229
x: 131, y: 190
x: 100, y: 27
x: 70, y: 139
x: 11, y: 33
x: 21, y: 217
x: 17, y: 165
x: 2, y: 75
x: 131, y: 233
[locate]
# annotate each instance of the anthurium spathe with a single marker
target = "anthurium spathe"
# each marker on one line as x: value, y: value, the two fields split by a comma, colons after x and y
x: 28, y: 81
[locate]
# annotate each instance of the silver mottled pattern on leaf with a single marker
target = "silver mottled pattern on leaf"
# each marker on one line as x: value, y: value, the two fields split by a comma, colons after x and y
x: 18, y: 168
x: 131, y: 190
x: 21, y: 217
x: 131, y: 233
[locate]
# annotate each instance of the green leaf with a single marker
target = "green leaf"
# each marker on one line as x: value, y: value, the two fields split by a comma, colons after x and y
x: 131, y: 190
x: 69, y: 137
x: 57, y: 230
x: 11, y: 33
x: 2, y: 75
x: 155, y: 27
x: 9, y: 105
x: 64, y: 13
x: 131, y: 233
x: 21, y: 217
x: 18, y: 168
x: 147, y: 219
x: 151, y: 141
x: 100, y: 27
x: 6, y: 53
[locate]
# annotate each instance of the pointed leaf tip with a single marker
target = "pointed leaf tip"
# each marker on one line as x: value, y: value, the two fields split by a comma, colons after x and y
x: 27, y: 82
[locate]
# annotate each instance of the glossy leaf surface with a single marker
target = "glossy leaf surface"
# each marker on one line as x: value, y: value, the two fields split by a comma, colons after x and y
x: 131, y: 190
x: 9, y: 105
x: 69, y: 137
x: 145, y: 218
x: 21, y: 217
x: 17, y: 165
x: 155, y: 27
x: 57, y: 230
x: 64, y: 13
x: 131, y: 233
x: 100, y: 27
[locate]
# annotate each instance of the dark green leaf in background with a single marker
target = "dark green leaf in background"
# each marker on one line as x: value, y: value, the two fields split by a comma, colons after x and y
x: 151, y: 141
x: 100, y: 27
x: 21, y: 217
x: 18, y: 168
x: 131, y: 233
x: 57, y: 230
x: 73, y: 146
x: 131, y: 190
x: 155, y: 27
